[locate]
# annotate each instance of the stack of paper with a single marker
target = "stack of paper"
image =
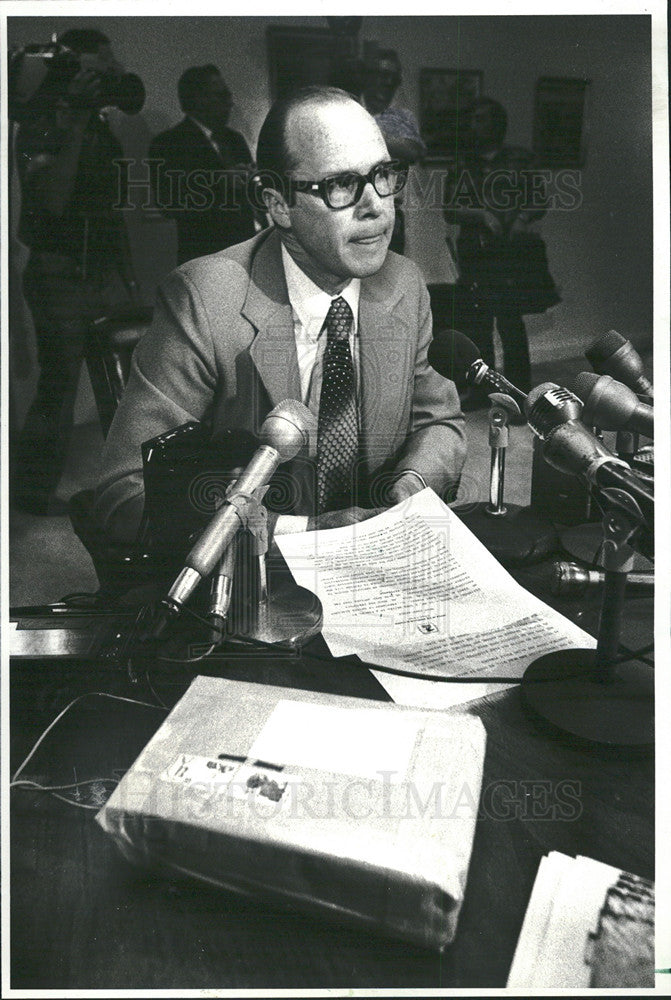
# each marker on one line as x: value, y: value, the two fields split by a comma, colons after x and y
x: 587, y: 925
x: 414, y: 589
x: 360, y: 810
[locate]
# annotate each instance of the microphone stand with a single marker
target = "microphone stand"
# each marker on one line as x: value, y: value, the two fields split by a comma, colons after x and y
x: 584, y: 541
x: 498, y: 442
x: 275, y: 612
x: 244, y: 606
x: 585, y: 696
x: 513, y: 534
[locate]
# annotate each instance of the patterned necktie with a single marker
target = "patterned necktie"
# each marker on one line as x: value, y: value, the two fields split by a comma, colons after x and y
x: 337, y: 433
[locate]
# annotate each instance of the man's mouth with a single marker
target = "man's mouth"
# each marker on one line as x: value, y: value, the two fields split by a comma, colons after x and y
x: 371, y: 240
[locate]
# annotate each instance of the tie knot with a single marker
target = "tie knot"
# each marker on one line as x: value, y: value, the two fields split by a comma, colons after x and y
x: 339, y: 319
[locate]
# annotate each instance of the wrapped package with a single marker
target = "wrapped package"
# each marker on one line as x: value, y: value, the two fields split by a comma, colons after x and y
x: 361, y: 810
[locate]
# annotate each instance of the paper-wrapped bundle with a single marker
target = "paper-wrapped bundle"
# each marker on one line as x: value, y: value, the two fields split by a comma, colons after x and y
x: 359, y: 810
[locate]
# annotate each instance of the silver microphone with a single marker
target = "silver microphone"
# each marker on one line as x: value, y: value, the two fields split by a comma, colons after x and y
x: 283, y: 433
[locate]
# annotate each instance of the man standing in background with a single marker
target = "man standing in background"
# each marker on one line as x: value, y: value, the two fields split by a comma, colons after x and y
x: 494, y: 198
x: 203, y: 168
x: 381, y: 80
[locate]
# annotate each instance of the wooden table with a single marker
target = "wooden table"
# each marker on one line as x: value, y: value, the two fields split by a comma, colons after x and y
x: 84, y: 918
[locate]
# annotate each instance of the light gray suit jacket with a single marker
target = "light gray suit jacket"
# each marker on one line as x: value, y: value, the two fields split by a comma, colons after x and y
x: 222, y: 349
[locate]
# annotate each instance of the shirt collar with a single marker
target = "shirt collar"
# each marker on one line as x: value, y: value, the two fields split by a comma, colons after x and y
x: 310, y: 303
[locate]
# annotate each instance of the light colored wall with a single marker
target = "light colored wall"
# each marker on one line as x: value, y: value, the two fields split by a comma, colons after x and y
x: 600, y: 254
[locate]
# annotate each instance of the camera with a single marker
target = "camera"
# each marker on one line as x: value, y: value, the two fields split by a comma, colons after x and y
x: 39, y: 78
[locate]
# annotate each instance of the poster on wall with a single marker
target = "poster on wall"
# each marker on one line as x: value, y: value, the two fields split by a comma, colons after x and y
x: 559, y: 121
x: 302, y: 56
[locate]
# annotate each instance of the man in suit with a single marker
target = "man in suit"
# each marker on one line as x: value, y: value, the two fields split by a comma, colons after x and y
x: 238, y: 332
x: 202, y: 168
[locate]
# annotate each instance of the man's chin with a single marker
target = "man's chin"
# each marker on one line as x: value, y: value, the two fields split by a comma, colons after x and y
x: 367, y: 260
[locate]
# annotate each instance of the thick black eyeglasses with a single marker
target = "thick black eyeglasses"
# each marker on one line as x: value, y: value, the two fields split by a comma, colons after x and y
x: 343, y: 190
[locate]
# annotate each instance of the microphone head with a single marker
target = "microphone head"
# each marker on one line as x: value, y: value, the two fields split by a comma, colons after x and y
x: 611, y: 405
x: 550, y: 405
x: 584, y: 385
x: 451, y: 354
x: 287, y: 428
x: 603, y: 348
x: 613, y: 355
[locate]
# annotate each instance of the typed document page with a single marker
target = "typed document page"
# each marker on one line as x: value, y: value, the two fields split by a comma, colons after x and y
x: 413, y: 589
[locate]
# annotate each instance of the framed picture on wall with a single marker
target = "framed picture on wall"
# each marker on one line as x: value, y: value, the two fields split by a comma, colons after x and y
x: 559, y: 121
x: 444, y: 97
x: 299, y: 56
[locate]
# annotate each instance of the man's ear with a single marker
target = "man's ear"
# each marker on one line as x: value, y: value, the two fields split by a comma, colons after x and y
x: 277, y: 208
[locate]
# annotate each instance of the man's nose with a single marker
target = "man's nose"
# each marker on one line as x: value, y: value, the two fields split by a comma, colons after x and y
x: 370, y: 202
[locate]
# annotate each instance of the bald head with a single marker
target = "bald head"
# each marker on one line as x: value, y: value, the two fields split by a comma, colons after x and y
x: 325, y: 138
x: 278, y: 153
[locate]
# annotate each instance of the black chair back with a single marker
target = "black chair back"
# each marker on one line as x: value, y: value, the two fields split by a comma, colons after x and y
x: 109, y: 349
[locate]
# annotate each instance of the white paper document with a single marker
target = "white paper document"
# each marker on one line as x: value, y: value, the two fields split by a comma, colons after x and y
x: 414, y: 589
x: 587, y: 925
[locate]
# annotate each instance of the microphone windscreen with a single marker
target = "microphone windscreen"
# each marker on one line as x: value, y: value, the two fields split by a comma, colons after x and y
x: 584, y: 384
x: 604, y: 347
x: 451, y: 354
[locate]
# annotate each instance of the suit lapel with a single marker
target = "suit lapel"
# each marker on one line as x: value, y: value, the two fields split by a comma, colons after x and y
x: 386, y: 359
x: 385, y: 346
x: 199, y: 148
x: 266, y: 306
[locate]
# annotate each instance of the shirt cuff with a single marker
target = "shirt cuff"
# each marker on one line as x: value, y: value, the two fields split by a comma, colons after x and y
x: 411, y: 472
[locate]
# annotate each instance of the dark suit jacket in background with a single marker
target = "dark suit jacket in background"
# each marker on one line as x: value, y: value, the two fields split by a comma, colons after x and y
x: 211, y: 209
x: 222, y: 350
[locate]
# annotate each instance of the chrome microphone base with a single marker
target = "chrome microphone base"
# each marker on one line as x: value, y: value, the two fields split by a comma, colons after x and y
x: 288, y: 618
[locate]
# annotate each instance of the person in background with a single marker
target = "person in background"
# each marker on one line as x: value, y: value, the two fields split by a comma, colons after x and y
x: 79, y: 267
x: 494, y: 198
x: 380, y: 80
x: 203, y: 168
x: 314, y: 309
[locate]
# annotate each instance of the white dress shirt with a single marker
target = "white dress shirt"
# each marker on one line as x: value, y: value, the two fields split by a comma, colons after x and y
x: 309, y: 306
x: 208, y: 133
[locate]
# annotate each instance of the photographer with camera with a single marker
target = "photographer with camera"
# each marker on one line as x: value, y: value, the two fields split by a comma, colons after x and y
x: 79, y: 267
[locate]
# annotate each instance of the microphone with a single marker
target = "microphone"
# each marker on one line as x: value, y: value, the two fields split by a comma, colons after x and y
x: 221, y: 592
x: 572, y: 580
x: 613, y: 406
x: 550, y: 405
x: 514, y: 534
x: 283, y: 433
x: 613, y: 355
x: 553, y: 414
x: 453, y: 355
